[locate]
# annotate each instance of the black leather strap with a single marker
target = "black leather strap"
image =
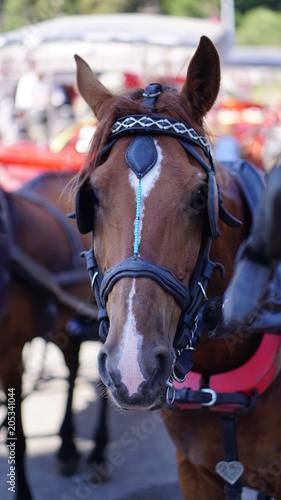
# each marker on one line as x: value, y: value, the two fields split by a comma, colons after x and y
x: 229, y: 437
x: 232, y: 491
x: 151, y: 92
x: 135, y: 267
x: 141, y: 155
x: 205, y: 398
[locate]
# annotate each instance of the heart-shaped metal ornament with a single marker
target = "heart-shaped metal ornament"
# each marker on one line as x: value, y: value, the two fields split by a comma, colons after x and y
x: 230, y: 471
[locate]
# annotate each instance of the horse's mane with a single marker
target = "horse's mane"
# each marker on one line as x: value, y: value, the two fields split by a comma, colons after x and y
x: 168, y: 104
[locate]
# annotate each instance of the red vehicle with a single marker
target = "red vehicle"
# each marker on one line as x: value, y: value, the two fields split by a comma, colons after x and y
x: 22, y: 161
x: 249, y: 123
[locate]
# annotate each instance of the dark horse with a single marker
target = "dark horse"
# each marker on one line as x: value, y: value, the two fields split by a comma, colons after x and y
x: 253, y: 299
x: 42, y: 287
x: 156, y: 203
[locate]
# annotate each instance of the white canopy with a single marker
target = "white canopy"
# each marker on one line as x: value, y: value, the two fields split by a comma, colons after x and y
x: 154, y: 45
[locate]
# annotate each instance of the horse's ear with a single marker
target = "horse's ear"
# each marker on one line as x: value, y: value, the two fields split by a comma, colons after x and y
x: 202, y: 83
x: 90, y: 88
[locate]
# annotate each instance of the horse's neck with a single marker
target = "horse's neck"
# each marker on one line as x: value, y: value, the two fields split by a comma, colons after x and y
x: 216, y: 356
x: 53, y: 186
x: 32, y: 222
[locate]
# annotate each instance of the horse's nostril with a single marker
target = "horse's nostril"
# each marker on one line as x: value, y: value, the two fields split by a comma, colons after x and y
x: 163, y: 361
x: 107, y: 370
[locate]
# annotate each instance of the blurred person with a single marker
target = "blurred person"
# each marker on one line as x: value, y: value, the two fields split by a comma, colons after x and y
x: 60, y: 111
x: 31, y: 104
x: 8, y: 128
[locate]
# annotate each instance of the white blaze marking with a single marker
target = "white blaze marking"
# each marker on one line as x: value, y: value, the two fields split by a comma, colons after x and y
x: 147, y: 183
x: 128, y: 365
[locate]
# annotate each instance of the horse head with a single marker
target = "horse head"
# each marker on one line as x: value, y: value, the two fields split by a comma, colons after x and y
x: 149, y: 193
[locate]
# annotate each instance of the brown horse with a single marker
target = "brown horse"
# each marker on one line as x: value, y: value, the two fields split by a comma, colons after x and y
x: 152, y: 195
x: 42, y: 287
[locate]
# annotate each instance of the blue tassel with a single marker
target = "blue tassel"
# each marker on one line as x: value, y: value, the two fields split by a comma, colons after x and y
x: 137, y: 223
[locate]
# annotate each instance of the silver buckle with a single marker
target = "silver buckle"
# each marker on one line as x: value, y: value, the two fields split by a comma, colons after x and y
x: 213, y: 399
x: 171, y: 391
x: 94, y: 279
x: 202, y: 290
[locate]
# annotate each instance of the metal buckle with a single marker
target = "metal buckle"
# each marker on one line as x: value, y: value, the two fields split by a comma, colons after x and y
x: 180, y: 380
x: 202, y: 290
x: 171, y: 392
x: 213, y: 399
x: 94, y: 279
x: 152, y: 95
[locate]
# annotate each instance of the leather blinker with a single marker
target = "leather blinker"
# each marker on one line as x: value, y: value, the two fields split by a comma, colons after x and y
x: 213, y: 205
x: 84, y: 207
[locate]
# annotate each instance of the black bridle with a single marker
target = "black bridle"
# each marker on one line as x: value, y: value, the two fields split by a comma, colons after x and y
x: 189, y: 298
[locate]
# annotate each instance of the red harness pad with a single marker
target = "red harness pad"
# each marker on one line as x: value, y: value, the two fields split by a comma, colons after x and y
x: 257, y: 373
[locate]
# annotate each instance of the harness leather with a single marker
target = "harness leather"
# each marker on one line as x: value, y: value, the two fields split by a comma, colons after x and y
x: 141, y: 155
x: 135, y: 267
x: 233, y: 490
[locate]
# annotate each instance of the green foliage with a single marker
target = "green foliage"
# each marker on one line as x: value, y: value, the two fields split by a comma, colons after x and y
x: 191, y: 8
x: 101, y: 6
x: 246, y: 5
x: 17, y: 13
x: 260, y: 27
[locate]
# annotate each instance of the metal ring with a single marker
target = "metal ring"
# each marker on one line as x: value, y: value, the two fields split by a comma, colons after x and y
x: 169, y: 400
x: 213, y: 397
x: 178, y: 379
x: 152, y: 95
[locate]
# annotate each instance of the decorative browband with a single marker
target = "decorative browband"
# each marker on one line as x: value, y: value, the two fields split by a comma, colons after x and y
x: 158, y: 124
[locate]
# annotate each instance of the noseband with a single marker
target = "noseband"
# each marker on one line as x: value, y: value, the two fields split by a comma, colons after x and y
x: 141, y: 156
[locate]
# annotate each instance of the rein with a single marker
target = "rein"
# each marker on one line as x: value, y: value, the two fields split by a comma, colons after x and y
x: 141, y: 156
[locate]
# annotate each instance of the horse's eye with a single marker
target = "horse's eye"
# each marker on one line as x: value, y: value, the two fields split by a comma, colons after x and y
x: 199, y: 199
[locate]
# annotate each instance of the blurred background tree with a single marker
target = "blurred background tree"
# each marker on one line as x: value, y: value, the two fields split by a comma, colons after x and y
x: 260, y: 26
x: 257, y: 22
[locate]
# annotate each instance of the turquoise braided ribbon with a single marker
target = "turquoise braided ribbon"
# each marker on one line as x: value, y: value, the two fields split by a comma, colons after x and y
x: 137, y: 222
